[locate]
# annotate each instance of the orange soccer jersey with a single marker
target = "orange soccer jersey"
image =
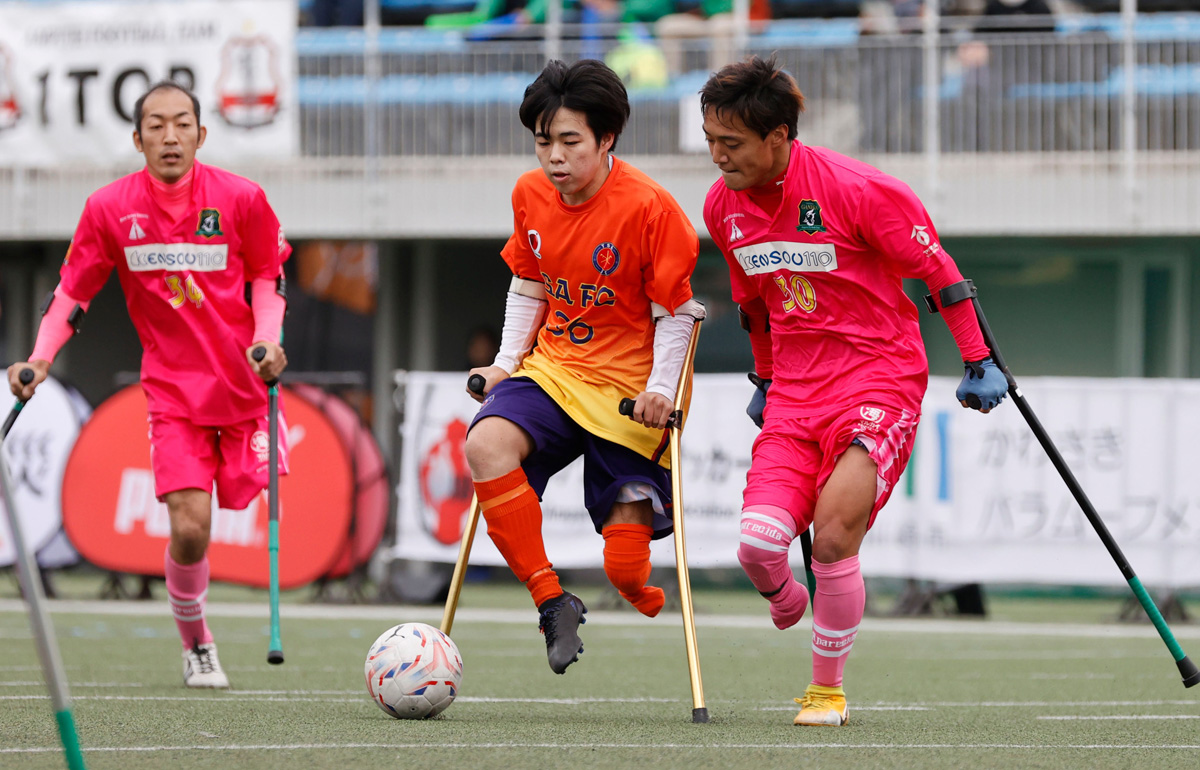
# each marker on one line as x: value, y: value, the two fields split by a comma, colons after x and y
x: 603, y: 263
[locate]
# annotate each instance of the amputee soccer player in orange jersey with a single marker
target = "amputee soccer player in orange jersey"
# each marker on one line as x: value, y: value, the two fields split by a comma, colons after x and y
x: 601, y: 257
x: 191, y: 244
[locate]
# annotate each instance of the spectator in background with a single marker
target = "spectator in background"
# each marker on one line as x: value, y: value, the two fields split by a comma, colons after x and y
x: 712, y: 19
x: 337, y: 13
x: 483, y: 344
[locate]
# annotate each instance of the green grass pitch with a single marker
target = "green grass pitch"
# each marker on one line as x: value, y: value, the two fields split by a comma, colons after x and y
x: 1039, y: 684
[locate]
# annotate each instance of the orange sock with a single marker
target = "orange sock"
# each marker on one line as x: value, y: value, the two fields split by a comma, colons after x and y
x: 627, y: 564
x: 514, y: 523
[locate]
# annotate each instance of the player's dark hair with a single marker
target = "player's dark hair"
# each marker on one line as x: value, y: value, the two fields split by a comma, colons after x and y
x: 757, y: 92
x: 159, y: 86
x: 587, y: 86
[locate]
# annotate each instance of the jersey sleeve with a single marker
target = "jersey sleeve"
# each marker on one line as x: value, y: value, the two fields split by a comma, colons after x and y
x: 745, y: 293
x: 518, y: 252
x: 673, y: 247
x: 89, y: 259
x: 893, y: 220
x: 264, y: 248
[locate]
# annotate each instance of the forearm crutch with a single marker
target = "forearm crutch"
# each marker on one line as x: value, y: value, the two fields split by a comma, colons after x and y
x: 475, y: 383
x: 966, y: 290
x: 275, y: 648
x: 31, y: 584
x: 675, y: 425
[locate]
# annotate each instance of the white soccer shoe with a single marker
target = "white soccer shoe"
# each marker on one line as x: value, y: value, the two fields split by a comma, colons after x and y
x: 202, y: 668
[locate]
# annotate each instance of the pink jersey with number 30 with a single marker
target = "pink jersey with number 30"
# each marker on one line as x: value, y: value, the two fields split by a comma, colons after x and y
x: 829, y: 266
x: 185, y: 286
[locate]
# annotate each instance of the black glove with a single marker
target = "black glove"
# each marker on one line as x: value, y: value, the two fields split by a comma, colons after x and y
x: 758, y: 402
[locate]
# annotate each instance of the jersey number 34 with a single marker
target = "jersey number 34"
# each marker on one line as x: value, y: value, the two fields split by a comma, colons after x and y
x: 184, y: 291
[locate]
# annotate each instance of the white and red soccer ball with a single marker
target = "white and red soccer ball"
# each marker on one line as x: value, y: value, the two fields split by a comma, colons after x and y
x: 413, y: 671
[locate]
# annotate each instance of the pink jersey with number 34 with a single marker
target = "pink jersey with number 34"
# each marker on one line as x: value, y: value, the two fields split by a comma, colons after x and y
x: 185, y: 286
x: 828, y: 268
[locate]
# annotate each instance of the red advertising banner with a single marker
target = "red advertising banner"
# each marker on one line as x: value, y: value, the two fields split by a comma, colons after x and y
x: 112, y: 517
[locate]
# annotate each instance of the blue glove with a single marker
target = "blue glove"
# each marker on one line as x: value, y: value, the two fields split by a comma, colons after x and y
x: 985, y: 382
x: 758, y: 402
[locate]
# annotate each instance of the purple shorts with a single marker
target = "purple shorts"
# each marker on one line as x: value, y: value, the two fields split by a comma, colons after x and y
x: 558, y: 440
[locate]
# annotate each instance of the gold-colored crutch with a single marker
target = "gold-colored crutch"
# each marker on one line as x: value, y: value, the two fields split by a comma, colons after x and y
x: 683, y: 397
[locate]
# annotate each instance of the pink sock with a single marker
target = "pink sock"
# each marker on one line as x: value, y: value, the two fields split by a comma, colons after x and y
x: 837, y: 612
x: 767, y: 534
x: 187, y: 587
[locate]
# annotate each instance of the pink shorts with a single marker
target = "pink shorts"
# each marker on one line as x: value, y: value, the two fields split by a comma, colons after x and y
x: 235, y: 457
x: 793, y: 457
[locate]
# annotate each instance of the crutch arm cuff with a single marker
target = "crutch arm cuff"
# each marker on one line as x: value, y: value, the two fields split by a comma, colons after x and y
x: 949, y: 295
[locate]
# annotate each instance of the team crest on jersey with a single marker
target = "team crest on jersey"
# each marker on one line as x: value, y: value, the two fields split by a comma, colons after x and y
x: 606, y: 258
x: 210, y: 223
x: 810, y: 217
x: 535, y: 243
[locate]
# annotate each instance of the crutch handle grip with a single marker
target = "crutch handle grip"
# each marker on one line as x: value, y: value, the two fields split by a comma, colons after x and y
x: 626, y: 407
x: 259, y: 353
x: 26, y: 376
x: 476, y: 383
x: 973, y: 401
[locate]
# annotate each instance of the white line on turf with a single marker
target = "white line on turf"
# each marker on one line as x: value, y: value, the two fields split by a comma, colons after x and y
x: 1124, y: 717
x: 426, y: 747
x: 433, y: 615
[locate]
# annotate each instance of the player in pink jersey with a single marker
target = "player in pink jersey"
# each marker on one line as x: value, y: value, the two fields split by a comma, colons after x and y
x: 818, y: 245
x: 191, y: 245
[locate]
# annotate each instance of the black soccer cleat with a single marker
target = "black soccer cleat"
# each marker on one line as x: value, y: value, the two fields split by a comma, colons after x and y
x: 559, y: 619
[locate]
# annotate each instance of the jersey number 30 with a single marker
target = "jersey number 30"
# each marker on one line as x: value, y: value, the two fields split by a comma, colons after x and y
x: 797, y: 292
x: 184, y: 291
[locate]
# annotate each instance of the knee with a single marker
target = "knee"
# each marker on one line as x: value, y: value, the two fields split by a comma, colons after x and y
x: 190, y: 516
x: 835, y: 542
x: 495, y: 447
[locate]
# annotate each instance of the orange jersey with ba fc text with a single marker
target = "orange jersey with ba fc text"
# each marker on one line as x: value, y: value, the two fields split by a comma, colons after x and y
x: 603, y: 263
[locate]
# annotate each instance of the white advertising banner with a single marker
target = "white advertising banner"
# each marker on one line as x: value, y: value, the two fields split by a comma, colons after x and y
x: 980, y: 501
x: 70, y: 73
x: 36, y: 452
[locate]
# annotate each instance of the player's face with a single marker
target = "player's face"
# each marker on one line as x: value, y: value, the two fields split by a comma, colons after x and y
x: 574, y: 162
x: 746, y: 159
x: 170, y: 134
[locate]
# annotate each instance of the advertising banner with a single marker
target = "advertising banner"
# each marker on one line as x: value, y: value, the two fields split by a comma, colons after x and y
x: 113, y: 518
x: 980, y: 501
x: 71, y: 71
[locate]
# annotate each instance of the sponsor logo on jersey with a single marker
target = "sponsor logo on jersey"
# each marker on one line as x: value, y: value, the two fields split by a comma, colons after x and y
x: 920, y: 234
x: 810, y: 217
x: 606, y: 258
x: 260, y: 444
x: 197, y: 257
x: 760, y: 258
x: 734, y: 233
x: 535, y: 242
x: 872, y: 413
x: 136, y: 232
x: 209, y: 224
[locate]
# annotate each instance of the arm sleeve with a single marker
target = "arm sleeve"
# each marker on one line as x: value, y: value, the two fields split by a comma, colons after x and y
x: 55, y: 328
x: 895, y: 222
x: 268, y: 308
x: 522, y: 321
x: 264, y: 249
x: 674, y: 247
x: 88, y: 262
x: 672, y: 334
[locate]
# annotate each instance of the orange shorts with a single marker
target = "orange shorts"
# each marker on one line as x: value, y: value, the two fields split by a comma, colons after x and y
x: 234, y: 457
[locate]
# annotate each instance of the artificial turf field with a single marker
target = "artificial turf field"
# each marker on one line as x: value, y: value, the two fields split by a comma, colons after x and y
x: 1039, y: 683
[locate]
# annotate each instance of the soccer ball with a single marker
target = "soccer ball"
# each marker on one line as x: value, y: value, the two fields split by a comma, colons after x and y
x: 413, y: 671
